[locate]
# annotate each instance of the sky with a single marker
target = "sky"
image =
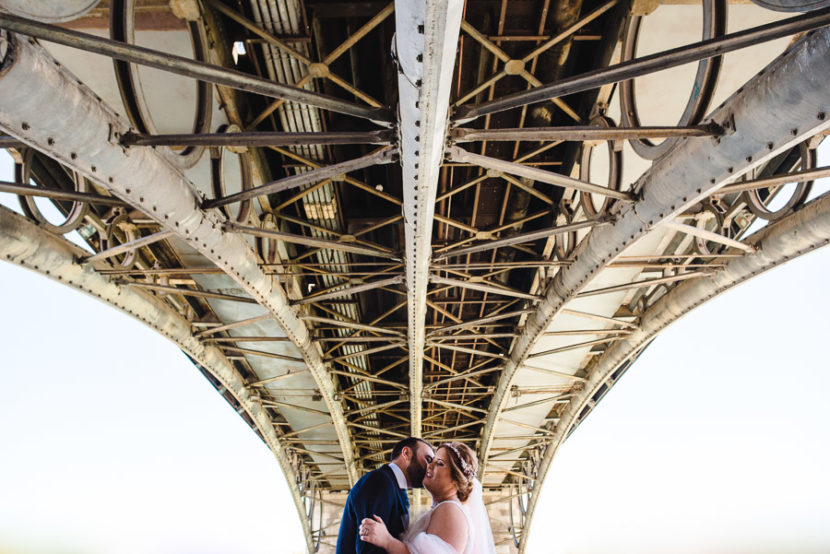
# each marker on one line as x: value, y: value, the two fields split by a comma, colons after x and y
x: 715, y: 441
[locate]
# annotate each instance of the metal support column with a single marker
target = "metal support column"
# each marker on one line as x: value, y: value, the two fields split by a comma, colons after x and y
x: 425, y: 44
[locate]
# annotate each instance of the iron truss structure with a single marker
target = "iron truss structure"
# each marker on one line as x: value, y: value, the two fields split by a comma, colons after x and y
x: 385, y: 219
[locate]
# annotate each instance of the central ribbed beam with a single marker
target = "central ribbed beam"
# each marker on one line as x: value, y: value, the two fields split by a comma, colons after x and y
x: 426, y: 40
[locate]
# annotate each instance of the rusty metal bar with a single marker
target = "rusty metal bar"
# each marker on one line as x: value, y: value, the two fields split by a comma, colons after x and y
x: 573, y: 347
x: 597, y: 317
x: 477, y: 322
x: 460, y: 155
x: 127, y: 246
x: 708, y: 235
x: 643, y: 283
x: 235, y: 324
x: 520, y: 238
x: 188, y: 292
x: 351, y: 325
x: 649, y: 64
x: 581, y: 133
x: 795, y: 177
x: 255, y: 138
x: 460, y: 376
x: 308, y: 241
x: 189, y: 68
x: 352, y: 290
x: 471, y: 351
x: 28, y: 190
x: 481, y: 287
x: 383, y: 156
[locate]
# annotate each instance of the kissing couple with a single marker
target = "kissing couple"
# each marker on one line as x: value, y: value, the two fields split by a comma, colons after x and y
x: 376, y: 516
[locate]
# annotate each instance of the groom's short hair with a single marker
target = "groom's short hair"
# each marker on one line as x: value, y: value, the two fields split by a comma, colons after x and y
x: 410, y: 442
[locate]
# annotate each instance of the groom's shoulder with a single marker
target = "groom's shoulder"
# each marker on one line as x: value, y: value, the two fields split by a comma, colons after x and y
x: 379, y: 477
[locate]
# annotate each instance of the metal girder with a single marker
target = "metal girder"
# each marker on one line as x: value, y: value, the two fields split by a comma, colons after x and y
x: 25, y: 244
x: 190, y: 68
x: 649, y: 64
x: 580, y: 133
x: 457, y: 154
x: 256, y: 138
x: 780, y: 107
x: 35, y: 89
x: 383, y: 156
x: 520, y: 238
x: 28, y: 190
x: 425, y: 43
x: 795, y: 235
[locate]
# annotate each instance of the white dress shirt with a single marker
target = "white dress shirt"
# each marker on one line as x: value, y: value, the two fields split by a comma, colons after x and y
x: 402, y: 483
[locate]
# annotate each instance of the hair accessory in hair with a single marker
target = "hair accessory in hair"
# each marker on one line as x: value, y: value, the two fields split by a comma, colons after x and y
x: 468, y: 471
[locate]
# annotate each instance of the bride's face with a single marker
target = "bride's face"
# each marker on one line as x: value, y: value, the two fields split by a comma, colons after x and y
x: 438, y: 479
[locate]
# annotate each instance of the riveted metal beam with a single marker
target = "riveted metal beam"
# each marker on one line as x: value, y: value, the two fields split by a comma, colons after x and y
x: 34, y: 89
x: 256, y: 138
x: 382, y: 156
x: 795, y: 235
x: 189, y: 68
x: 425, y: 42
x: 581, y: 133
x: 25, y: 244
x: 649, y: 64
x: 777, y: 109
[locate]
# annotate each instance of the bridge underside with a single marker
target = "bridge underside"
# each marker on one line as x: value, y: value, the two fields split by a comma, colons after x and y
x: 462, y: 221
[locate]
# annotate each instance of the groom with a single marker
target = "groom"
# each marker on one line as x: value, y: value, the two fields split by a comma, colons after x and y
x: 382, y: 492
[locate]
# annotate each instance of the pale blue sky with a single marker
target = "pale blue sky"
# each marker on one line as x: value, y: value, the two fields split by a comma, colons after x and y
x: 715, y: 441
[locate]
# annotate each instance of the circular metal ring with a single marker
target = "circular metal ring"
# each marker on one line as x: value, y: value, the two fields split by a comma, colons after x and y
x: 217, y: 177
x: 792, y: 5
x: 711, y: 219
x: 122, y: 29
x: 117, y: 222
x: 74, y: 216
x: 755, y: 199
x: 266, y: 247
x: 614, y: 171
x: 714, y: 25
x: 564, y: 243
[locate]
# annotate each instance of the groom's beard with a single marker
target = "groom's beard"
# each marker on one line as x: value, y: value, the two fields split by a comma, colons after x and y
x: 415, y: 475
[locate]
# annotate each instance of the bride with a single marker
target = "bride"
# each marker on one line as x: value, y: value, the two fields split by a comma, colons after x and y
x: 457, y: 521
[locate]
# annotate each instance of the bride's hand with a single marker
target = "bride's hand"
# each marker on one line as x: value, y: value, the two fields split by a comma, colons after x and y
x: 374, y: 531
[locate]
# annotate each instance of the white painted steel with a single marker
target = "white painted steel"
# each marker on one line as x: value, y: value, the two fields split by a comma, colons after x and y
x: 44, y: 106
x: 774, y: 111
x: 49, y: 11
x: 425, y: 44
x: 27, y: 245
x: 797, y: 234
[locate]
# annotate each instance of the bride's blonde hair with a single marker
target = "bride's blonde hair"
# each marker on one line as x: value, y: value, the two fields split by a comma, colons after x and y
x: 464, y: 465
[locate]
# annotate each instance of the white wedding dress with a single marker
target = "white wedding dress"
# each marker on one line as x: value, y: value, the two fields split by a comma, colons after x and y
x: 421, y: 542
x: 479, y: 535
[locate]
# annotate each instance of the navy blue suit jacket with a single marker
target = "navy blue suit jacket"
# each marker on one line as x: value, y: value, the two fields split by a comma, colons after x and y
x: 376, y: 493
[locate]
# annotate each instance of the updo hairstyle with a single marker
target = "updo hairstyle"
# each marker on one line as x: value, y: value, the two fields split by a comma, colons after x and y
x: 464, y: 465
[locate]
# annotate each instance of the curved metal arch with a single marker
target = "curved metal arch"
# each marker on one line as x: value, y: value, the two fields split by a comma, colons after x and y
x: 799, y: 233
x: 766, y: 121
x: 25, y: 244
x: 34, y: 88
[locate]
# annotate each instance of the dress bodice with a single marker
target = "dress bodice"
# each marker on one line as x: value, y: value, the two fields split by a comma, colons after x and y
x: 419, y: 542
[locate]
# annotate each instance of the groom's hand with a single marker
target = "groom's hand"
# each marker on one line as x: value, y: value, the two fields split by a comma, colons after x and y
x: 374, y: 531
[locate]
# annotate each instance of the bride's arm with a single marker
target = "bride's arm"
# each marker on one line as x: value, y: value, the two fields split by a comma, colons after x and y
x: 374, y: 531
x: 449, y: 524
